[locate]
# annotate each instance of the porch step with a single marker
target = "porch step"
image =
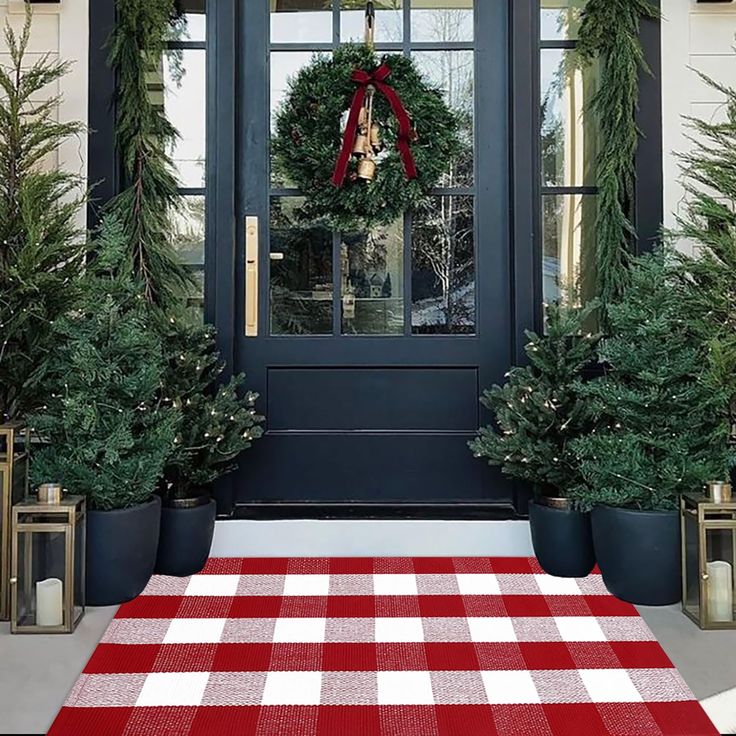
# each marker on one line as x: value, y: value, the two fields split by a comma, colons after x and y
x: 371, y: 538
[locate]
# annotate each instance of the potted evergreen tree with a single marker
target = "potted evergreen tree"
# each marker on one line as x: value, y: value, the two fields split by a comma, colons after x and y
x: 219, y: 422
x: 538, y: 413
x: 106, y: 433
x: 661, y: 432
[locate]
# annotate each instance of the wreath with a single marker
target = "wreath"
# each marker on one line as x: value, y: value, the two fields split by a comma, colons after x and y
x: 364, y: 139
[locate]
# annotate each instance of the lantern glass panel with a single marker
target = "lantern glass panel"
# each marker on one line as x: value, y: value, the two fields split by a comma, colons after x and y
x: 720, y: 556
x: 692, y: 566
x: 41, y: 579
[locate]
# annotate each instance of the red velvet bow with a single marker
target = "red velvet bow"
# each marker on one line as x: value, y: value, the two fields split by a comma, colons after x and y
x: 377, y: 79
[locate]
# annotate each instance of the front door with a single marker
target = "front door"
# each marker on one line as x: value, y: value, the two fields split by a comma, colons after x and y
x: 371, y: 399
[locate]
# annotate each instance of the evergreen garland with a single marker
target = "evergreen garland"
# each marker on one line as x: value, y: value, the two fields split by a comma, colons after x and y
x: 609, y: 31
x: 144, y: 136
x: 308, y: 140
x: 41, y: 247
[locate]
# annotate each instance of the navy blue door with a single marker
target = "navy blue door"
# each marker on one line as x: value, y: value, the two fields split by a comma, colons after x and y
x: 370, y: 348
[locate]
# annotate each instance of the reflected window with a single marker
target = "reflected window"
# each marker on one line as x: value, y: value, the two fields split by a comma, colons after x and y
x: 389, y: 21
x: 560, y: 19
x: 301, y: 21
x: 442, y: 20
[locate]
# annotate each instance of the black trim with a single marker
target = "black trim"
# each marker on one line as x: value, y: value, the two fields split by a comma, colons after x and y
x: 426, y: 511
x: 102, y: 159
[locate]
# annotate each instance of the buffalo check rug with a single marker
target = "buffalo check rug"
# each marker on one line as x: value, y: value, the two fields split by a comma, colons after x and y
x: 379, y: 647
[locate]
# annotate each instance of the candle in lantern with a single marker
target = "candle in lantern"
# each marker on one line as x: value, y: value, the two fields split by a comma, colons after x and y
x: 720, y: 591
x: 49, y: 603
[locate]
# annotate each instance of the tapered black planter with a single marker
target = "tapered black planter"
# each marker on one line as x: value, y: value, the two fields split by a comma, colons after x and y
x: 187, y: 528
x: 121, y: 552
x: 562, y: 539
x: 639, y: 554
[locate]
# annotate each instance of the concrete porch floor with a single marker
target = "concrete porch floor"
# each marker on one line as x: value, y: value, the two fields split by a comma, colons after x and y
x: 36, y: 672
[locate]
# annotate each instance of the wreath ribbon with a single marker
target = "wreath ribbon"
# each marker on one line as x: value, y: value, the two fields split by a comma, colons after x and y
x: 378, y: 80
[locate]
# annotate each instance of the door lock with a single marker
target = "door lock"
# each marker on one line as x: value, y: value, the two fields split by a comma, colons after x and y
x: 251, y: 276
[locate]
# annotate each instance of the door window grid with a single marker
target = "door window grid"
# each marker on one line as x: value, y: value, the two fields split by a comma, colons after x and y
x: 186, y: 55
x: 568, y: 148
x: 414, y: 318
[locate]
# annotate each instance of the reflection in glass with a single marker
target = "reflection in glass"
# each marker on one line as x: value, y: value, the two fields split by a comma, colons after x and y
x: 372, y: 281
x: 183, y: 91
x: 569, y: 133
x: 192, y: 25
x: 560, y: 19
x: 443, y: 267
x: 389, y: 21
x: 284, y: 67
x: 188, y: 230
x: 569, y: 245
x: 453, y: 73
x: 300, y: 273
x: 442, y: 20
x: 301, y: 21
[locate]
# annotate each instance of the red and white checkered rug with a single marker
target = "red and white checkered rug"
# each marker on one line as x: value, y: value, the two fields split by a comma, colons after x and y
x: 379, y: 647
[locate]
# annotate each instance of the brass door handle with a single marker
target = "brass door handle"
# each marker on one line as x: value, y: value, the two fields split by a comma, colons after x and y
x: 251, y: 276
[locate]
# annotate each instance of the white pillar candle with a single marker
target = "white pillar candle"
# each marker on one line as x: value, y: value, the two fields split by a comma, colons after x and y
x: 49, y: 602
x: 720, y: 591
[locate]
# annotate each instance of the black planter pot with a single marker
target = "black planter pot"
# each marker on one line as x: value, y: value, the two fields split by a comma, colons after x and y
x: 187, y: 529
x: 638, y: 553
x: 121, y: 552
x: 562, y: 539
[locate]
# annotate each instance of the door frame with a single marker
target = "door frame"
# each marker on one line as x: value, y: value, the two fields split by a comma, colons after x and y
x: 224, y: 232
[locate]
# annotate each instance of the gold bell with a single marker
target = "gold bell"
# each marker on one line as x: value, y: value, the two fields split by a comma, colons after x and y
x: 361, y: 144
x: 367, y: 169
x: 376, y: 137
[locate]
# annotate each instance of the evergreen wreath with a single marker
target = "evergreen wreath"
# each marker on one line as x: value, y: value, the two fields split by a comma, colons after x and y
x: 309, y: 139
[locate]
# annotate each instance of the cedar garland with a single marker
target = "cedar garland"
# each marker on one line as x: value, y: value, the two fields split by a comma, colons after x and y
x: 610, y: 32
x: 144, y: 135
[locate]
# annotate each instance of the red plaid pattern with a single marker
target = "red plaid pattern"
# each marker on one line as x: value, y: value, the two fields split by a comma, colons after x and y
x: 379, y: 647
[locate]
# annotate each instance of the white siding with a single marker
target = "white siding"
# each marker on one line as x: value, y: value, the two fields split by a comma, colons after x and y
x: 60, y: 30
x: 695, y: 36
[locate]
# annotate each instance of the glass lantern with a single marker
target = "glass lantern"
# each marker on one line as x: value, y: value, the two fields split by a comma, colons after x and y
x: 48, y: 553
x: 13, y: 488
x: 709, y: 559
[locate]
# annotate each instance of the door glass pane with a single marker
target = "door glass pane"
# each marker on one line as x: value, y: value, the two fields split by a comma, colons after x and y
x: 194, y: 25
x: 300, y: 273
x: 188, y: 225
x: 568, y: 228
x: 442, y: 20
x: 372, y: 284
x: 453, y: 73
x: 569, y: 133
x: 443, y: 267
x: 560, y: 19
x: 389, y: 21
x: 284, y: 66
x: 183, y: 91
x: 301, y: 21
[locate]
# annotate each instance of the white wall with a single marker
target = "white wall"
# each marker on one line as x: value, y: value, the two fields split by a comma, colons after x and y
x: 60, y: 30
x: 694, y: 36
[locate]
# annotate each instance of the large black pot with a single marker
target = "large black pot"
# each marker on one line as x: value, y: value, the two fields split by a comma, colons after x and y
x: 187, y: 529
x: 121, y: 552
x: 562, y: 539
x: 639, y: 555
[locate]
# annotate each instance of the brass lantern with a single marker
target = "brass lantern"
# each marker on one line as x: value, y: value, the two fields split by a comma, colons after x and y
x: 48, y: 554
x: 709, y: 557
x: 13, y: 488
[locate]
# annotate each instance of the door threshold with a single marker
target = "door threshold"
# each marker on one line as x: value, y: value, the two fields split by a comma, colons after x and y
x: 267, y: 510
x: 371, y: 538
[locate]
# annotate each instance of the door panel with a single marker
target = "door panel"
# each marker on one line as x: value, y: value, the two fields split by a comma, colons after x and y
x: 372, y: 346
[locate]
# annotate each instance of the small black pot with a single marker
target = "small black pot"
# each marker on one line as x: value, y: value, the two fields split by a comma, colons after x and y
x: 121, y: 552
x: 187, y: 528
x: 638, y: 553
x: 562, y: 539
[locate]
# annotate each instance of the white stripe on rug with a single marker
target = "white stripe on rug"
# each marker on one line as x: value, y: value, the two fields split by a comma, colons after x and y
x: 721, y: 709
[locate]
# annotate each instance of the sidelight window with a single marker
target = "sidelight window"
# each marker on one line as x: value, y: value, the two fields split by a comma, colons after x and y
x: 568, y: 150
x: 416, y: 276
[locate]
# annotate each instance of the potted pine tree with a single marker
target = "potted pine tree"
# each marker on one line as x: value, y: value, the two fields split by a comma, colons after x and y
x: 105, y: 431
x: 219, y: 422
x: 662, y: 431
x: 538, y: 412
